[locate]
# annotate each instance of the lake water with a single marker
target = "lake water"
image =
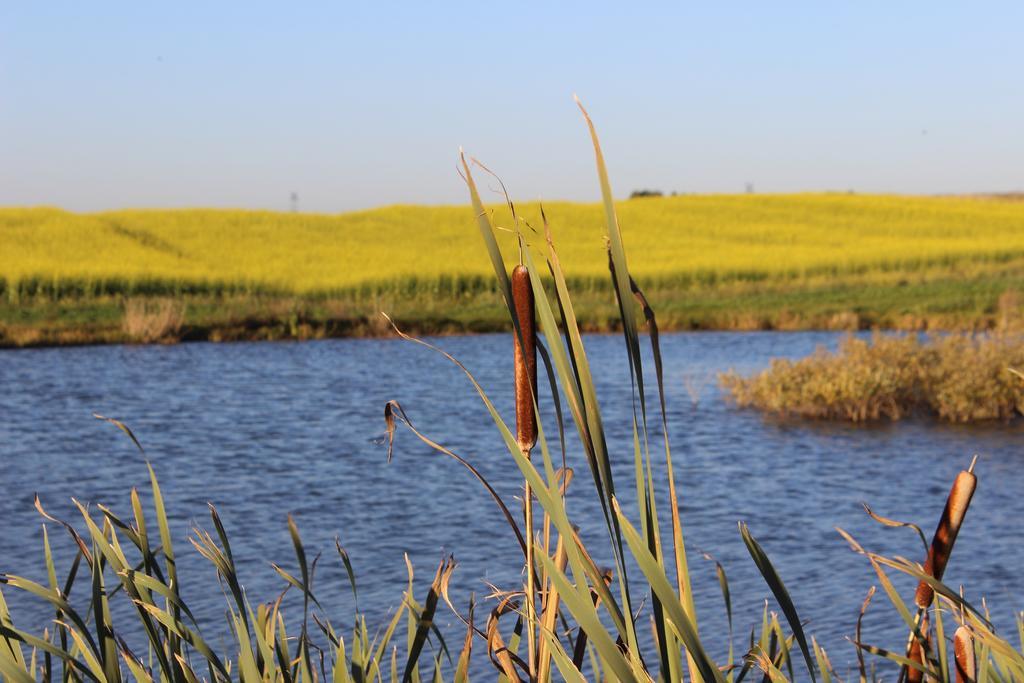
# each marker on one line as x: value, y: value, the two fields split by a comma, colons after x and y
x: 264, y: 429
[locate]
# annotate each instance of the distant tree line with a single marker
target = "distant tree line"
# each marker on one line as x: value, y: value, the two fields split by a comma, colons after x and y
x: 639, y: 194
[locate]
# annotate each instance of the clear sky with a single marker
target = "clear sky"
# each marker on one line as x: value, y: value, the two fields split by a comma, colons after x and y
x: 352, y: 105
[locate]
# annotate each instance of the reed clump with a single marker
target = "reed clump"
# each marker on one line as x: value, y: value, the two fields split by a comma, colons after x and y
x: 153, y: 320
x: 956, y: 378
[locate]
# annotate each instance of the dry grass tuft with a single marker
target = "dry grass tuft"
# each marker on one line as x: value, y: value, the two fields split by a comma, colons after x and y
x: 153, y: 320
x: 15, y: 335
x: 1009, y: 311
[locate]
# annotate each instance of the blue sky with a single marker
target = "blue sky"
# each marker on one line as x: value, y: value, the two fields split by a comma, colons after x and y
x: 106, y: 105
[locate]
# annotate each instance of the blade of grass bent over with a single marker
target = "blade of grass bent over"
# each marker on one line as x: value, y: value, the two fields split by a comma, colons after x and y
x: 781, y: 594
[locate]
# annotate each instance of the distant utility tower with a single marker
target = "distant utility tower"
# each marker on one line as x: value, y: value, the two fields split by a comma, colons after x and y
x: 294, y: 202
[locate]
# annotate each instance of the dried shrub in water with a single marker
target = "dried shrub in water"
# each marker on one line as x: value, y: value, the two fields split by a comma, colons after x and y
x: 957, y: 378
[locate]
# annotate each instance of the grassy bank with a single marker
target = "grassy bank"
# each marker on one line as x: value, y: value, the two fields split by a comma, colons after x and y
x: 710, y: 262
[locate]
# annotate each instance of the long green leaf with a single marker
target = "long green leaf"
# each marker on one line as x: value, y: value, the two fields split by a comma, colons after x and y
x: 682, y: 624
x: 778, y: 588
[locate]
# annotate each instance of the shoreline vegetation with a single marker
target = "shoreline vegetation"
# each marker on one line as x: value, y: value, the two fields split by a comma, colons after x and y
x: 712, y: 262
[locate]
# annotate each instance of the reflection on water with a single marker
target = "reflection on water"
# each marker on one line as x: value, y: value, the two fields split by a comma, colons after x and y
x: 266, y: 429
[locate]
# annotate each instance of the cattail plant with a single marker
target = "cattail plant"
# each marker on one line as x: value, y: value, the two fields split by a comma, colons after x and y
x: 963, y: 654
x: 945, y: 534
x: 525, y: 349
x: 936, y: 560
x: 918, y: 653
x: 525, y: 359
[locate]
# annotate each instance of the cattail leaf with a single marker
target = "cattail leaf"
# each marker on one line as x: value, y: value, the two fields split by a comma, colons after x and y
x: 124, y: 428
x: 899, y: 659
x: 95, y: 668
x: 487, y: 233
x: 13, y: 671
x: 393, y: 411
x: 824, y: 665
x: 51, y: 572
x: 582, y: 609
x: 778, y: 588
x: 383, y: 642
x: 224, y: 561
x: 502, y: 657
x: 173, y: 641
x: 570, y: 673
x: 623, y: 285
x: 601, y: 466
x: 40, y: 644
x: 677, y: 617
x: 82, y: 547
x: 348, y: 570
x: 307, y: 595
x: 860, y: 620
x: 555, y: 398
x: 188, y: 636
x: 554, y: 505
x: 425, y: 619
x: 294, y: 582
x: 896, y: 523
x: 723, y: 584
x: 55, y: 599
x: 940, y: 640
x: 942, y: 589
x: 148, y: 583
x: 616, y: 250
x: 340, y: 673
x: 186, y: 670
x: 136, y: 668
x: 679, y: 546
x: 462, y: 669
x: 11, y: 648
x: 764, y: 662
x: 577, y: 383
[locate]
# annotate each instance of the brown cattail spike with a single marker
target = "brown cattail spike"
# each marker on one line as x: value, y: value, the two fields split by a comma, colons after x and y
x: 945, y: 535
x: 963, y: 653
x: 525, y: 359
x: 917, y: 654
